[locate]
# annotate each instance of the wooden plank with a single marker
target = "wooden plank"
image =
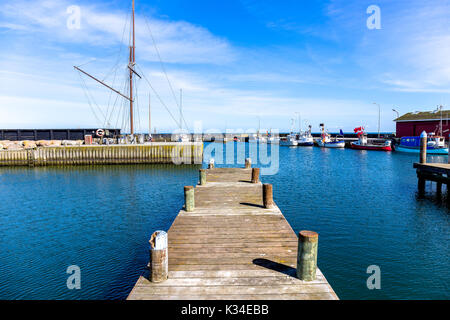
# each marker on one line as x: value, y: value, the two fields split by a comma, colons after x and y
x: 230, y: 247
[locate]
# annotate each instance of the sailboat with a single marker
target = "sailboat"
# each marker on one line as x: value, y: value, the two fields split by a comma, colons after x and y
x: 132, y: 72
x: 131, y: 75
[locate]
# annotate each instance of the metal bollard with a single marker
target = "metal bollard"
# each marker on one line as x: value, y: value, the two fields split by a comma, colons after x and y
x: 268, y: 196
x: 423, y: 147
x: 255, y: 175
x: 248, y: 163
x: 307, y: 255
x: 159, y: 261
x: 202, y: 177
x: 189, y: 201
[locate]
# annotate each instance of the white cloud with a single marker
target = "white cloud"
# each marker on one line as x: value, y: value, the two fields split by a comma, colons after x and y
x: 178, y: 41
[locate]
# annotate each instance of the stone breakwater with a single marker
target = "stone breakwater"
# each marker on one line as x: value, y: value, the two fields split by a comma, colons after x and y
x: 29, y: 144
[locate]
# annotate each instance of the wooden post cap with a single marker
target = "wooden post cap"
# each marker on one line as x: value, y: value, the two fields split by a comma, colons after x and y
x: 248, y: 163
x: 202, y: 177
x: 307, y: 255
x: 308, y: 235
x: 158, y: 240
x: 189, y: 198
x: 255, y: 175
x: 268, y: 196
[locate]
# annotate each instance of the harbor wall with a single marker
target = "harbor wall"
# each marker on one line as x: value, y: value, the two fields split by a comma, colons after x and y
x: 160, y: 153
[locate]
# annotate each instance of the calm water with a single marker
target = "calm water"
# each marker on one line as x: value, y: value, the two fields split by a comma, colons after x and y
x: 363, y: 204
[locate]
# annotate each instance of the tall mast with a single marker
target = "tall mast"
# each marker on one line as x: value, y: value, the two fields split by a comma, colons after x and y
x: 181, y: 109
x: 132, y: 62
x: 149, y: 115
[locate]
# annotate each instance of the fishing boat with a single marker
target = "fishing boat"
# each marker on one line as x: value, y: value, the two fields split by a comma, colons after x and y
x: 289, y: 141
x: 326, y: 141
x: 306, y: 139
x: 362, y: 143
x: 435, y: 145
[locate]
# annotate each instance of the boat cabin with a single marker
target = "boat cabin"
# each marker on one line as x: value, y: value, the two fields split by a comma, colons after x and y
x: 414, y: 142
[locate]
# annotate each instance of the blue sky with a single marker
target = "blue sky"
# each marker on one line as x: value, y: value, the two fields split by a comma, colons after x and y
x: 236, y: 61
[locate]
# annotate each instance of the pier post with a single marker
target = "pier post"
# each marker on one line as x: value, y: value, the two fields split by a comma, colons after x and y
x: 439, y: 189
x: 202, y: 177
x: 211, y: 164
x: 421, y: 184
x: 189, y: 201
x: 307, y: 255
x: 248, y: 163
x: 255, y: 175
x: 159, y: 262
x: 423, y: 147
x: 268, y: 196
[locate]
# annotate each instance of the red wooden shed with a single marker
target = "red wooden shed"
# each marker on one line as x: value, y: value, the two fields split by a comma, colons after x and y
x: 413, y: 123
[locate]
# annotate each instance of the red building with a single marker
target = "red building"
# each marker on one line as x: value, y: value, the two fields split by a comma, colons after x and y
x: 413, y: 123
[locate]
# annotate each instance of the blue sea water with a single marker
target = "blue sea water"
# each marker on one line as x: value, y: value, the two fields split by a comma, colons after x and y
x: 363, y: 204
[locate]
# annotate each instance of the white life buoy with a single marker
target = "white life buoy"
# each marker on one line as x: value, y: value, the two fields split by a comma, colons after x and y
x: 100, y: 132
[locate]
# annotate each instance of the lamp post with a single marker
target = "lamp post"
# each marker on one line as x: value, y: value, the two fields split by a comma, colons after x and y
x: 398, y: 115
x: 379, y: 118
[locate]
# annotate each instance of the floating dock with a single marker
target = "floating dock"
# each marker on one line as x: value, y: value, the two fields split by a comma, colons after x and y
x: 231, y: 247
x: 157, y: 152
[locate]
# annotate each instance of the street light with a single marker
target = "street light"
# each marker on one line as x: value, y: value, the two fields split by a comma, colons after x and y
x: 398, y: 114
x: 379, y: 118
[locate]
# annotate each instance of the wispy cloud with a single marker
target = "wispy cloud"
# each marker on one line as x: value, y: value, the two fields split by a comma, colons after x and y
x: 178, y: 41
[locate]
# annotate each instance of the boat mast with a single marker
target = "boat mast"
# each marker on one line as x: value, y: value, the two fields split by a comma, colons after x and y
x: 149, y: 114
x: 181, y: 109
x: 132, y: 63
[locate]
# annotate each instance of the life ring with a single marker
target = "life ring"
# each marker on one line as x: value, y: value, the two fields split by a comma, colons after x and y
x: 100, y: 132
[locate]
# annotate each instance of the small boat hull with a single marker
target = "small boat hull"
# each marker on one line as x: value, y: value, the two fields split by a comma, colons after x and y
x: 335, y: 144
x: 288, y: 143
x: 357, y: 146
x: 305, y: 144
x: 439, y: 151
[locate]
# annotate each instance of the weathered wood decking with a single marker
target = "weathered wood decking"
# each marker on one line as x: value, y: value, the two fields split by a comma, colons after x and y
x: 230, y: 247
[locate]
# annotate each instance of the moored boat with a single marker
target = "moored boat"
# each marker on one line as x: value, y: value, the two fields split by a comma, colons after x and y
x: 362, y: 143
x: 306, y: 139
x: 290, y: 141
x: 326, y: 141
x: 435, y: 145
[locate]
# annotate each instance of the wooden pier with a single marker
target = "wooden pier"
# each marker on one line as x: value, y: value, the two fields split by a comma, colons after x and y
x: 436, y: 172
x: 156, y: 152
x: 231, y: 246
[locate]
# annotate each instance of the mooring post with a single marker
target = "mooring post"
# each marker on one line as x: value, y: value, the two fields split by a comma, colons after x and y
x: 268, y: 196
x: 307, y: 255
x: 248, y: 163
x: 202, y: 177
x: 255, y: 175
x: 423, y: 147
x: 189, y: 201
x: 159, y: 262
x: 211, y: 164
